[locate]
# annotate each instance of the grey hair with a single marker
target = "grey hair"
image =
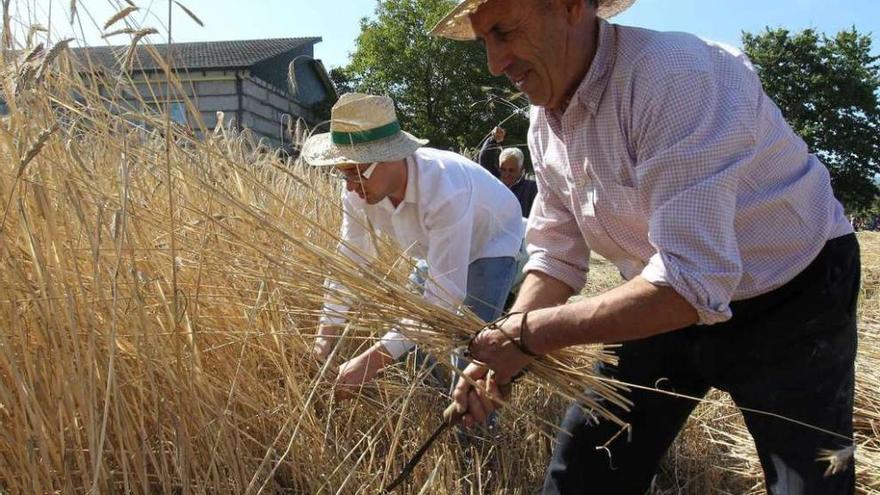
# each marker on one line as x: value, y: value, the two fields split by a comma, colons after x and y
x: 512, y: 152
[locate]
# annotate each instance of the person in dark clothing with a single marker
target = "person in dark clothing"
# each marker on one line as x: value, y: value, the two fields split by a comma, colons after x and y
x: 513, y: 176
x: 491, y: 149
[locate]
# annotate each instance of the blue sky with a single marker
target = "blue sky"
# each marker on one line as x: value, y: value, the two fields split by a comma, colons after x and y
x: 337, y: 21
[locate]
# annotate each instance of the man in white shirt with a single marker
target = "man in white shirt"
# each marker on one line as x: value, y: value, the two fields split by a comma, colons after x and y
x: 438, y: 206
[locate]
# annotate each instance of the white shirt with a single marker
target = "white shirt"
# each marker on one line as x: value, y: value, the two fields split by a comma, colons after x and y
x: 672, y: 163
x: 453, y: 213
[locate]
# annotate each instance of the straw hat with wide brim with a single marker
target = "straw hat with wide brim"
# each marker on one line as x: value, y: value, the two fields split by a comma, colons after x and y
x: 457, y: 24
x: 363, y: 129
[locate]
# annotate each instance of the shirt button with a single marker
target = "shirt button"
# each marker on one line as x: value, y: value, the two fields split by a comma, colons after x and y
x: 583, y: 180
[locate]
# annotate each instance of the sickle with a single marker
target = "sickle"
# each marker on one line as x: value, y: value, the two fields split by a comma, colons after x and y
x: 450, y: 417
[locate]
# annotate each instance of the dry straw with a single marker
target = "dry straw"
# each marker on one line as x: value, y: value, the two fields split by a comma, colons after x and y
x: 162, y: 291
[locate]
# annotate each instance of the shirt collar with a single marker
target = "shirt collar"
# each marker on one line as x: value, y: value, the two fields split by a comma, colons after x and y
x: 412, y: 184
x: 412, y: 180
x: 593, y: 85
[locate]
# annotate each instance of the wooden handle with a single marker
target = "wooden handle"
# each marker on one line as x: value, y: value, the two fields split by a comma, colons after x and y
x: 451, y: 414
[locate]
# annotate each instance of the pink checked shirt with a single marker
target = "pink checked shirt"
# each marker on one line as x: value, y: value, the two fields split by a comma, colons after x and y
x: 671, y: 162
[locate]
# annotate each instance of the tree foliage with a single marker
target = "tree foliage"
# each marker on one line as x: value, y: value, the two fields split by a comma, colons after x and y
x: 442, y: 88
x: 827, y: 89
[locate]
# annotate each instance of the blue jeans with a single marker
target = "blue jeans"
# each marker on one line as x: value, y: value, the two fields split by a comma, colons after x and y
x: 488, y: 284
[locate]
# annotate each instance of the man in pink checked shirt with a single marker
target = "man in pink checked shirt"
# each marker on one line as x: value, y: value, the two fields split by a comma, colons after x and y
x: 662, y: 153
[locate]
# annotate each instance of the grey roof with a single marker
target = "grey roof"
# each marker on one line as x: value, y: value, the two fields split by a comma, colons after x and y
x: 198, y: 55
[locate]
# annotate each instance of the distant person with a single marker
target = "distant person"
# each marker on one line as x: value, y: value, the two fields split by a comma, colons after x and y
x: 858, y: 223
x: 491, y: 149
x: 513, y: 176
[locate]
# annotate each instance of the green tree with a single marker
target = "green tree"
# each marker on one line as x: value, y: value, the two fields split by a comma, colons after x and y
x: 827, y: 89
x: 342, y: 80
x: 442, y: 89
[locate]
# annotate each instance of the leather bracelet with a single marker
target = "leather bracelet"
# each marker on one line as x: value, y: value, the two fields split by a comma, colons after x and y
x: 519, y: 374
x: 518, y: 342
x: 523, y: 328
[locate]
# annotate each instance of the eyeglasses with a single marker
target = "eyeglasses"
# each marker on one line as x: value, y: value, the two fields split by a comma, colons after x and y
x: 353, y: 175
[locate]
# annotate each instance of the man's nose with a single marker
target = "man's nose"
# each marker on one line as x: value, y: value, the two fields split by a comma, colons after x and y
x: 497, y: 56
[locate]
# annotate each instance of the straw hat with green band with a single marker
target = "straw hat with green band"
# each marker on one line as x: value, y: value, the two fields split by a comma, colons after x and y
x: 363, y: 129
x: 457, y: 24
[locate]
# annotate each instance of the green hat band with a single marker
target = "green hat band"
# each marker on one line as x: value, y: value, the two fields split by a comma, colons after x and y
x: 360, y: 137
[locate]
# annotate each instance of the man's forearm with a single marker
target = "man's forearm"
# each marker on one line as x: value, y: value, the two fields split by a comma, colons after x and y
x: 635, y: 310
x: 540, y: 290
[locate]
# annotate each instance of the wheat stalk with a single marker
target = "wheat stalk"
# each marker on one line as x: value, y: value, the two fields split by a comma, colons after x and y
x: 122, y: 14
x: 190, y: 13
x: 53, y: 53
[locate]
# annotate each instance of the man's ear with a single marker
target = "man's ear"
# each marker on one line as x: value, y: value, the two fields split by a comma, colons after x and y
x: 575, y: 10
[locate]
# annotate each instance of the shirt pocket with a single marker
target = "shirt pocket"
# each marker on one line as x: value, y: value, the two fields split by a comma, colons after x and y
x: 624, y: 200
x: 616, y: 190
x: 558, y: 181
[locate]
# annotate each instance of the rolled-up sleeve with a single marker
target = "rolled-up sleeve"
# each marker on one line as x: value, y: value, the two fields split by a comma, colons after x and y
x: 554, y: 241
x: 692, y: 136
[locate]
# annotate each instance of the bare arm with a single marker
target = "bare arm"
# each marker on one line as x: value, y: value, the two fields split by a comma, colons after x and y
x: 634, y: 310
x: 540, y: 290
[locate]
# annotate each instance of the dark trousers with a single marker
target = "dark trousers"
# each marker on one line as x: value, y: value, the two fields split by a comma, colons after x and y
x: 789, y: 352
